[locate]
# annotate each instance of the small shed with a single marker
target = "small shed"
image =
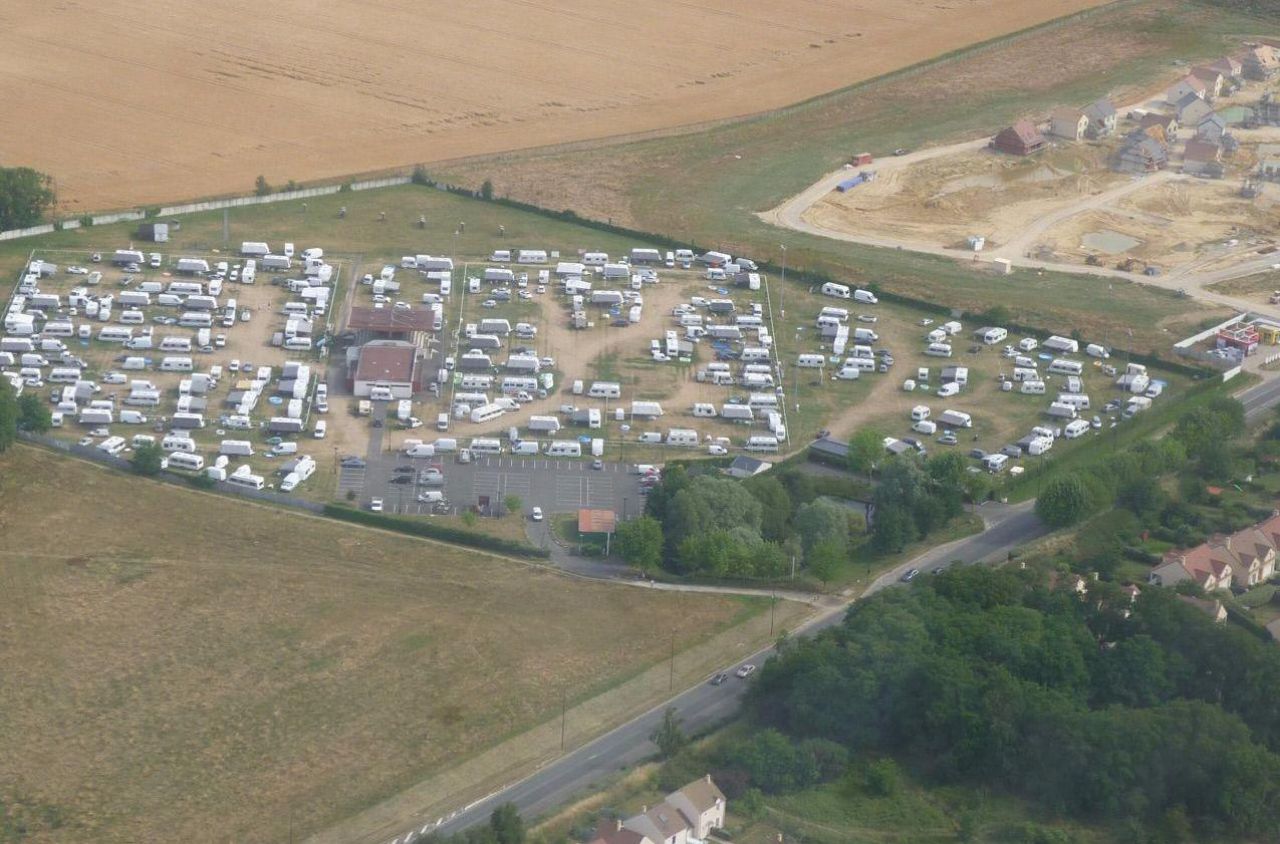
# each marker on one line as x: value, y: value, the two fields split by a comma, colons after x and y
x: 861, y: 159
x: 1022, y: 138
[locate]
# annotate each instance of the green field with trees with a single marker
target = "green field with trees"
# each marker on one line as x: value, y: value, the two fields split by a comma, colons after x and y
x: 1150, y: 717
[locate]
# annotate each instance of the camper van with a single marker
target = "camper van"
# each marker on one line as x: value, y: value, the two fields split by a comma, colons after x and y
x: 762, y: 443
x: 1062, y: 366
x: 839, y: 291
x: 564, y: 448
x: 605, y: 390
x: 810, y: 361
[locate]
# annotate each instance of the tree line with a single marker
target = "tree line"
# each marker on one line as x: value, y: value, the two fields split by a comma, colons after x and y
x: 1147, y: 715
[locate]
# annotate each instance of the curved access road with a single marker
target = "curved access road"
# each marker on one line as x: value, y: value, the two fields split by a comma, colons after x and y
x: 790, y: 215
x: 704, y: 706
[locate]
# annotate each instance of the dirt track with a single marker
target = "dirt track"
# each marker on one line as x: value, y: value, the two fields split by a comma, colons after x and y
x: 127, y: 103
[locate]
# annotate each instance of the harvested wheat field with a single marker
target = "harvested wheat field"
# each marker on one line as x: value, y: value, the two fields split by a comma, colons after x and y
x: 132, y: 103
x: 185, y: 667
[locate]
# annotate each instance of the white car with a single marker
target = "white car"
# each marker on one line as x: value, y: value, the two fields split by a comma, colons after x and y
x: 745, y: 671
x: 220, y: 341
x: 488, y: 303
x: 375, y: 505
x: 234, y: 366
x: 77, y: 270
x: 536, y: 514
x: 717, y: 450
x: 245, y: 315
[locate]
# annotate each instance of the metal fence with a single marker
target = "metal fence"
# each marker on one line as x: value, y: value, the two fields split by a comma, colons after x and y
x: 89, y: 452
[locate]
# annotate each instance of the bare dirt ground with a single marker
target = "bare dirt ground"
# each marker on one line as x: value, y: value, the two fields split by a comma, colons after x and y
x: 134, y: 104
x: 974, y: 192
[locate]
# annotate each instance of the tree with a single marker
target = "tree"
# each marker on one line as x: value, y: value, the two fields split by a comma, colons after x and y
x: 513, y: 503
x: 669, y: 737
x: 260, y: 186
x: 708, y: 504
x: 1064, y: 501
x: 882, y: 778
x: 821, y: 522
x: 33, y: 414
x: 824, y: 560
x: 8, y: 415
x: 486, y: 190
x: 146, y: 459
x: 640, y: 542
x: 775, y: 503
x: 865, y: 450
x: 25, y: 196
x: 507, y: 825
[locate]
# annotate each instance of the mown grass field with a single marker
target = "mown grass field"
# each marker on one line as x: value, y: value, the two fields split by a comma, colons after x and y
x: 708, y: 186
x: 184, y: 666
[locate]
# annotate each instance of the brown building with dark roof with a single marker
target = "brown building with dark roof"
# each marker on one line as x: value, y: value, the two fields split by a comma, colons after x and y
x: 1022, y: 138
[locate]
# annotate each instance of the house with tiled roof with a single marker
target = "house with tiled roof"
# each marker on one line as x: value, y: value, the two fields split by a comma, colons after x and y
x: 685, y: 816
x: 1187, y: 85
x: 1212, y: 128
x: 1229, y: 66
x: 1102, y: 118
x: 1168, y: 123
x: 1202, y: 158
x: 1022, y: 138
x: 1242, y: 559
x: 1213, y: 80
x: 1067, y: 122
x: 1142, y: 153
x: 1191, y: 110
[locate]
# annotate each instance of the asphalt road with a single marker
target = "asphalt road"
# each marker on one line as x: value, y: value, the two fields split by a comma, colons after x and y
x: 705, y: 706
x: 1260, y: 398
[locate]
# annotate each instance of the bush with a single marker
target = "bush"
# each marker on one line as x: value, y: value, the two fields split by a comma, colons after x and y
x: 432, y: 531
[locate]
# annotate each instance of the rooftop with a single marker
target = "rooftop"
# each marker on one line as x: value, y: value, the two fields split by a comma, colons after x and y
x: 389, y: 320
x: 391, y: 362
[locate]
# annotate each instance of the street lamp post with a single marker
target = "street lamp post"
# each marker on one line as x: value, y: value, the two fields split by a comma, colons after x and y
x: 781, y: 308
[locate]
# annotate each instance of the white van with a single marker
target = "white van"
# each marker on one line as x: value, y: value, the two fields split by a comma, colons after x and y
x: 925, y: 426
x: 486, y: 446
x: 949, y: 389
x: 839, y: 291
x: 321, y: 428
x: 704, y: 409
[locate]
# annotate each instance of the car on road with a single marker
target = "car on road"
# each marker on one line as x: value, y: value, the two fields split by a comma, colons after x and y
x: 719, y: 679
x: 910, y: 575
x: 901, y: 151
x: 375, y: 505
x: 939, y: 569
x: 745, y: 671
x: 536, y: 514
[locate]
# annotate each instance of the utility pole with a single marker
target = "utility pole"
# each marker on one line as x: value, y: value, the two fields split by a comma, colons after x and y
x: 671, y: 679
x: 782, y: 308
x: 773, y: 602
x: 563, y: 716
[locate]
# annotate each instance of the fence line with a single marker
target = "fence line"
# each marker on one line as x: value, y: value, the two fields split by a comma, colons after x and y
x: 14, y: 234
x: 98, y: 456
x: 244, y: 201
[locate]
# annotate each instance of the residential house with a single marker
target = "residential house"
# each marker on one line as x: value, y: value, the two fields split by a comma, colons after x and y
x: 1168, y: 123
x: 685, y: 816
x: 1242, y: 559
x: 1269, y: 169
x: 1141, y: 153
x: 1102, y: 118
x: 1212, y: 128
x: 1192, y: 110
x: 1198, y: 564
x: 1201, y: 158
x: 1069, y: 123
x: 1213, y: 80
x: 1211, y: 607
x: 1229, y: 67
x: 1022, y: 138
x: 1184, y: 87
x: 1260, y: 64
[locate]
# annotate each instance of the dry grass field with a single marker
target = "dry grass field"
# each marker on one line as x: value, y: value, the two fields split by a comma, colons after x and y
x: 179, y: 666
x: 128, y: 103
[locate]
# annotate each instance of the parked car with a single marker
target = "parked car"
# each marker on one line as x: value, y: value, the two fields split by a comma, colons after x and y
x: 536, y: 514
x: 375, y: 505
x: 910, y: 575
x: 353, y: 463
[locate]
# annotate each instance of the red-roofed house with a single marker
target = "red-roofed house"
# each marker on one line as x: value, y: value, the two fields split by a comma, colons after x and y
x: 1022, y: 138
x: 1212, y: 78
x: 1229, y: 67
x: 1243, y: 559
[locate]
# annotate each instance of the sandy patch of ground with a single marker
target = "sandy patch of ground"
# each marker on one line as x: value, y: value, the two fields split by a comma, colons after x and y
x: 131, y: 103
x: 944, y: 200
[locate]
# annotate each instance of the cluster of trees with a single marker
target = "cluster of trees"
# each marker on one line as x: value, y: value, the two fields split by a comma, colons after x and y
x: 505, y: 827
x: 26, y: 412
x: 915, y: 498
x: 1150, y: 716
x: 26, y: 195
x: 714, y: 526
x: 1202, y: 448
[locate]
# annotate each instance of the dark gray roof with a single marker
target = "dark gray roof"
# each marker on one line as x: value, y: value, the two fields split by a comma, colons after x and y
x: 828, y: 446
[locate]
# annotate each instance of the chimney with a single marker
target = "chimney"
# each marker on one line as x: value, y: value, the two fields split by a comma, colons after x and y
x: 617, y: 824
x: 644, y: 810
x: 708, y: 779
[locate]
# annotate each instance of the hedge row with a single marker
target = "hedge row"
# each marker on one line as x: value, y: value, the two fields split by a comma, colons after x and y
x: 433, y: 531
